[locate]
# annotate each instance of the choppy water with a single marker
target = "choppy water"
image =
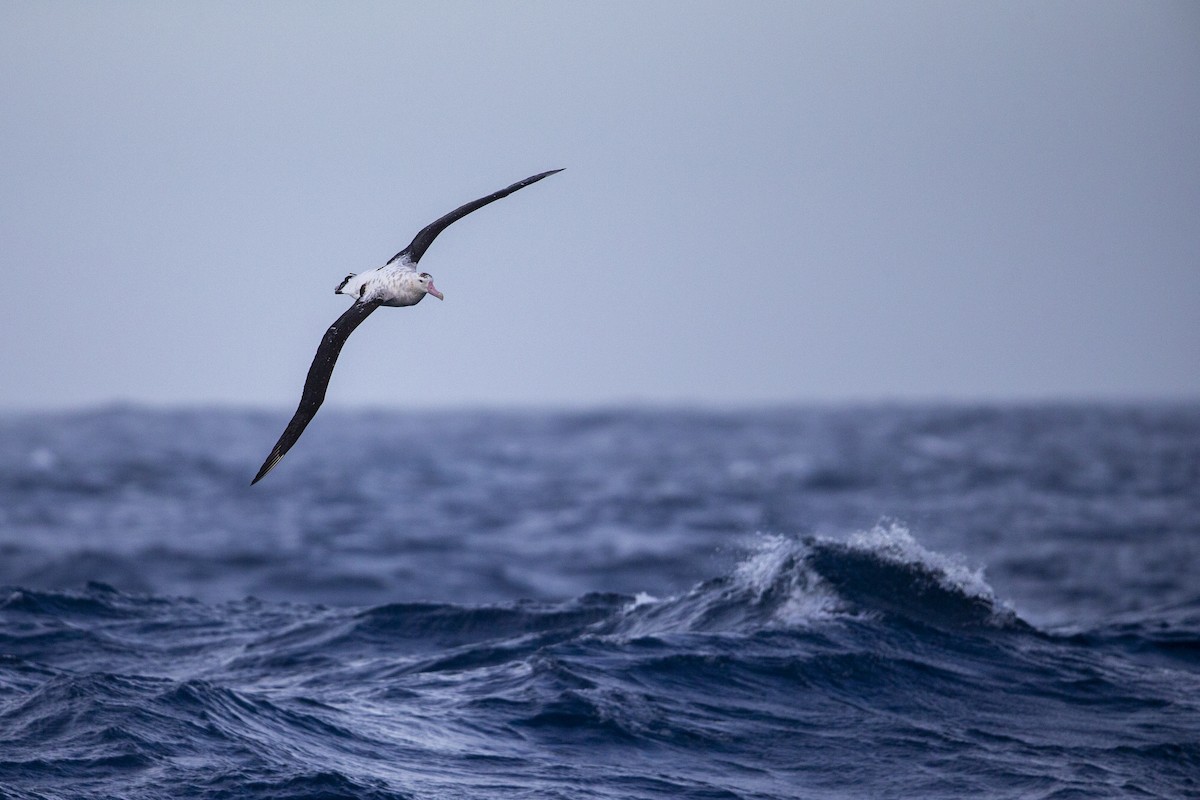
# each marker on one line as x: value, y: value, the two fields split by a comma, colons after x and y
x: 872, y: 602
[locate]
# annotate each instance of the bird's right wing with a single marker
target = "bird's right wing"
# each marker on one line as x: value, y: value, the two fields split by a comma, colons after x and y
x: 425, y: 237
x: 317, y: 381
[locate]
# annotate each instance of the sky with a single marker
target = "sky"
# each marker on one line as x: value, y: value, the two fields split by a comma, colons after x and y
x: 762, y: 203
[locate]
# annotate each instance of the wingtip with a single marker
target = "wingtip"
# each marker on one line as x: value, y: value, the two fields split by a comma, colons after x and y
x: 267, y: 466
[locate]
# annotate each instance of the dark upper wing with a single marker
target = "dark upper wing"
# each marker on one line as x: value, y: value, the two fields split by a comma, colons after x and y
x: 421, y: 242
x: 317, y: 381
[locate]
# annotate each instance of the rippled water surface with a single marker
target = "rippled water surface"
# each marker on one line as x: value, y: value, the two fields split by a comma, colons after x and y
x: 827, y: 603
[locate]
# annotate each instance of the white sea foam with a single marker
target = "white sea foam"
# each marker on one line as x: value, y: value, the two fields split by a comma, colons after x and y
x: 778, y: 565
x: 893, y: 542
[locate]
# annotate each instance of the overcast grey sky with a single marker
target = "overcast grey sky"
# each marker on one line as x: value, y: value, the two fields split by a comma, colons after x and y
x: 762, y: 202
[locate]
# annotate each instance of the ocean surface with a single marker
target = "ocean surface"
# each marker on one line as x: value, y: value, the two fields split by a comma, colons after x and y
x: 862, y: 602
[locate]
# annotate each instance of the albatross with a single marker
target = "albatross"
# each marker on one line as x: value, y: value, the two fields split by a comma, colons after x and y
x: 396, y: 283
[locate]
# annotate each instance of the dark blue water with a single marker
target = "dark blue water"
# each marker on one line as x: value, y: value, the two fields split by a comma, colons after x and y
x: 935, y: 602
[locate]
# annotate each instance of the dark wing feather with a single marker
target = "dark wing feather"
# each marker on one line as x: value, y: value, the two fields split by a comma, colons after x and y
x: 317, y: 381
x: 422, y: 240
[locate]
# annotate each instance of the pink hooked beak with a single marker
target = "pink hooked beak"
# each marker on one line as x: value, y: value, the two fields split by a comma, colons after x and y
x: 433, y: 291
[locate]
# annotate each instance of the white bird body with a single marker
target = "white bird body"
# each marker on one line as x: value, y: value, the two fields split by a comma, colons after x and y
x: 395, y: 284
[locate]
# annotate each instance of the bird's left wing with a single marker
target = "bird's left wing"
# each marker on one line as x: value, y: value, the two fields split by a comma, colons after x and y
x: 425, y: 237
x: 317, y: 381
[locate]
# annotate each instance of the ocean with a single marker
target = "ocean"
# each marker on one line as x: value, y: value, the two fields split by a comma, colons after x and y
x: 893, y: 601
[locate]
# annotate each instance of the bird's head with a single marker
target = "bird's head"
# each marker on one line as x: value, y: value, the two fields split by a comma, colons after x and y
x: 425, y: 280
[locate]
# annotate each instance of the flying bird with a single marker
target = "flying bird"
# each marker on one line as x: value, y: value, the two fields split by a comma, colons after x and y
x: 396, y: 283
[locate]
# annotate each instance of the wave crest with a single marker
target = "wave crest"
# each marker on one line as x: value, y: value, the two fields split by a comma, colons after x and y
x: 789, y: 582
